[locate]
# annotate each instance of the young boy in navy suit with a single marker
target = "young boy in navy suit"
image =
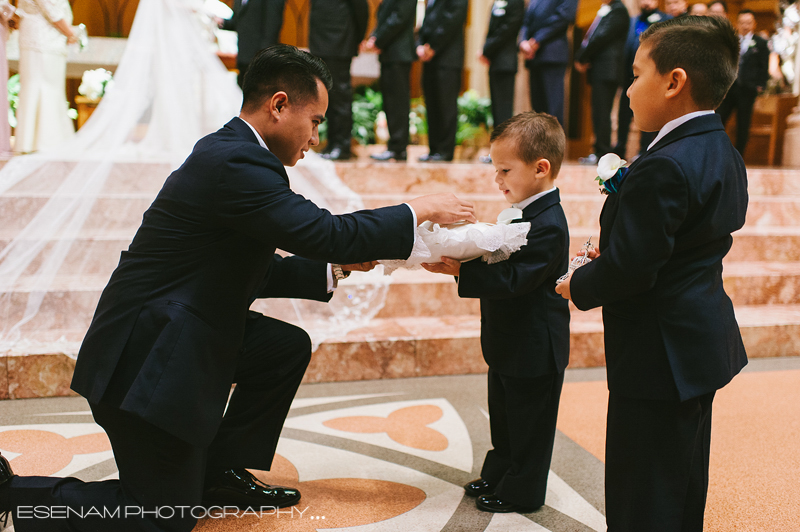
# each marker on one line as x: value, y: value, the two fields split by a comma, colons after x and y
x: 524, y: 323
x: 671, y: 337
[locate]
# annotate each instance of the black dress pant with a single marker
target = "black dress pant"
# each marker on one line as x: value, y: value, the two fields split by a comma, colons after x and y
x: 547, y: 89
x: 441, y: 87
x: 657, y: 464
x: 522, y: 416
x: 161, y: 477
x: 742, y: 99
x: 603, y: 93
x: 340, y: 104
x: 624, y: 118
x: 396, y: 90
x: 501, y: 88
x: 240, y: 76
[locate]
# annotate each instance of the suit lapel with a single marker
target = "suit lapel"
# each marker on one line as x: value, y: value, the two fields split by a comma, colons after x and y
x: 540, y: 205
x: 243, y: 130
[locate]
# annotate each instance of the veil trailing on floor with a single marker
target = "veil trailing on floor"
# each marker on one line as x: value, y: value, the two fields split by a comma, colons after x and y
x: 65, y: 215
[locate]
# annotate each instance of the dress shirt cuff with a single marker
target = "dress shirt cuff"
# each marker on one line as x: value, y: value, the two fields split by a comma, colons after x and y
x: 414, y: 227
x: 332, y: 284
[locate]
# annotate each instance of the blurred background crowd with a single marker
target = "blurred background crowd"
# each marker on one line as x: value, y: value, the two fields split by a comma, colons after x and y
x: 437, y: 73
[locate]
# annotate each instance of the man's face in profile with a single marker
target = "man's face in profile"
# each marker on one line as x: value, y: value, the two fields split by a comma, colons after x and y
x: 299, y: 124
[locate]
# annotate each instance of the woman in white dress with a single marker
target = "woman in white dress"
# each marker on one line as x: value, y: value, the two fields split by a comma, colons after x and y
x: 45, y: 30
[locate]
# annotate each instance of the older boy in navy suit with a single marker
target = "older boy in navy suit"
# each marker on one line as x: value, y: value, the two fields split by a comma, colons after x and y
x: 524, y: 323
x: 671, y: 337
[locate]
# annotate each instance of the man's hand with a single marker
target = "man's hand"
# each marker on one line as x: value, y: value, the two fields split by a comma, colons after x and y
x: 448, y: 266
x: 581, y: 67
x: 529, y: 48
x: 483, y: 59
x: 359, y: 267
x: 425, y: 52
x: 442, y: 209
x: 562, y: 288
x: 368, y: 46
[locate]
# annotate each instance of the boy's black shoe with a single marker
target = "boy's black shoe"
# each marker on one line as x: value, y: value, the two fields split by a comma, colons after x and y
x: 238, y: 487
x: 493, y: 503
x: 478, y: 487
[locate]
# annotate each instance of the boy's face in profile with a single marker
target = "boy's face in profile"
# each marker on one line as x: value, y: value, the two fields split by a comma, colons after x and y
x: 516, y: 179
x: 647, y: 92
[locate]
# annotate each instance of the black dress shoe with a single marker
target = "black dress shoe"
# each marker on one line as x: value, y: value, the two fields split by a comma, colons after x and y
x: 389, y: 155
x: 5, y: 475
x: 337, y: 154
x: 478, y: 487
x: 493, y: 503
x: 435, y: 158
x: 238, y: 487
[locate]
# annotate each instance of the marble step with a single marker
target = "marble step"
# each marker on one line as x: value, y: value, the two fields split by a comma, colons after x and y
x: 412, y: 294
x: 414, y: 347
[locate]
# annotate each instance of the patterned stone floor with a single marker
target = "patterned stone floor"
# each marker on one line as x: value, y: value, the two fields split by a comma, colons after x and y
x: 392, y: 455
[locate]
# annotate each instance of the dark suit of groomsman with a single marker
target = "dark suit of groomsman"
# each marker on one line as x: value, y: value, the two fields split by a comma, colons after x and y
x: 603, y: 49
x: 501, y: 50
x: 546, y: 22
x: 336, y: 28
x: 258, y: 25
x: 443, y: 32
x: 639, y: 24
x: 752, y: 78
x: 394, y: 37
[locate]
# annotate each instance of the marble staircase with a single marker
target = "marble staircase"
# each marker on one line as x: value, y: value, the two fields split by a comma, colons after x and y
x: 424, y: 327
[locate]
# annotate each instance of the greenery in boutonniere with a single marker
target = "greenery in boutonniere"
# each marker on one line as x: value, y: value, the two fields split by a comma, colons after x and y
x: 610, y: 172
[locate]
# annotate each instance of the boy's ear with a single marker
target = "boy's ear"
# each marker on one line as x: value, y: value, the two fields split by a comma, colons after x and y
x: 542, y: 168
x: 677, y: 82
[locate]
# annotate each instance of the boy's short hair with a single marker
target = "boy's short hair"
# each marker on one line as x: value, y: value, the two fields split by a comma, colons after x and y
x: 707, y: 48
x: 536, y: 136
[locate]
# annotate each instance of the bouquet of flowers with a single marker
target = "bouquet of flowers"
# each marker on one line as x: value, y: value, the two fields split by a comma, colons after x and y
x: 95, y: 83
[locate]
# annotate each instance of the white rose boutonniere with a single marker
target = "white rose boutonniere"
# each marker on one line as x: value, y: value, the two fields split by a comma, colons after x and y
x: 610, y: 171
x: 604, y: 10
x: 655, y: 17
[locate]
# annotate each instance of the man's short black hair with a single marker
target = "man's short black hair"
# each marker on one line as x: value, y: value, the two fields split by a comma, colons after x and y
x: 723, y: 3
x: 535, y: 136
x: 282, y: 67
x: 707, y: 48
x: 745, y: 12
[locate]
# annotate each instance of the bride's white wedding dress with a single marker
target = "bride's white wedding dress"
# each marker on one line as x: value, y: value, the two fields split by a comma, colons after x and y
x: 170, y: 90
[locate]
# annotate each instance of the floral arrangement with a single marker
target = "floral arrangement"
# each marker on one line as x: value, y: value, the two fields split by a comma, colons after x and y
x: 610, y: 171
x: 95, y: 83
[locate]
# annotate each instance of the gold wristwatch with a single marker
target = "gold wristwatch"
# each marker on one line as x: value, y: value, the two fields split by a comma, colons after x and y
x: 338, y: 272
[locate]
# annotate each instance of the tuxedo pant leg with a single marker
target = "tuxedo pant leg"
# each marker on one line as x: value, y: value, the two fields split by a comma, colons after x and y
x: 526, y: 411
x: 240, y: 76
x: 501, y: 88
x: 657, y: 456
x: 340, y: 104
x: 396, y: 90
x: 728, y: 103
x: 547, y: 89
x: 603, y: 93
x: 441, y: 87
x: 624, y: 118
x: 744, y: 116
x: 274, y: 360
x: 159, y: 488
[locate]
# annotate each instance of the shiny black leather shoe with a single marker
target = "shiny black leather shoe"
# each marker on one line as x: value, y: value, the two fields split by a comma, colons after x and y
x: 238, y: 487
x: 5, y: 475
x: 389, y: 156
x: 337, y: 154
x: 493, y: 503
x: 435, y: 158
x: 478, y: 487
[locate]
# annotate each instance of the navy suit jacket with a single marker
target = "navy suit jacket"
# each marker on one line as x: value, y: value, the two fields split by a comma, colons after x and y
x: 547, y: 21
x: 754, y: 64
x: 258, y: 24
x: 524, y: 323
x: 443, y: 29
x: 501, y: 39
x: 169, y: 326
x: 670, y: 329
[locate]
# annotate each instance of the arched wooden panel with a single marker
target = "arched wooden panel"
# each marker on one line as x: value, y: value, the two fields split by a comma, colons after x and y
x: 105, y: 18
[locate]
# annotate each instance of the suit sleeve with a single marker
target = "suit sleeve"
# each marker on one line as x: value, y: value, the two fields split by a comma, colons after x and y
x: 401, y: 15
x: 507, y: 29
x: 448, y: 26
x: 653, y: 204
x: 360, y: 9
x: 614, y: 24
x: 272, y: 23
x: 557, y: 22
x: 296, y: 277
x: 537, y: 261
x: 255, y: 200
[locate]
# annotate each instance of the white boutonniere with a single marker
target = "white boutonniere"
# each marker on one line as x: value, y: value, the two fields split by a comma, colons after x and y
x: 752, y: 43
x: 509, y: 215
x: 604, y: 10
x: 610, y: 171
x: 655, y: 17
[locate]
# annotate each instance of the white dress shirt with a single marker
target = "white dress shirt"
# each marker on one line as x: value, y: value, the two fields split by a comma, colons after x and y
x: 672, y: 124
x: 527, y: 201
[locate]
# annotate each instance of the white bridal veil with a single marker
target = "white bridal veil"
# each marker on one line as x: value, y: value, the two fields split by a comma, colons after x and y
x: 66, y: 214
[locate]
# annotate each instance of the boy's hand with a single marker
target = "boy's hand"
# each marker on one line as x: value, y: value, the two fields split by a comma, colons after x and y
x: 359, y: 267
x: 562, y: 288
x: 593, y: 253
x: 448, y: 266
